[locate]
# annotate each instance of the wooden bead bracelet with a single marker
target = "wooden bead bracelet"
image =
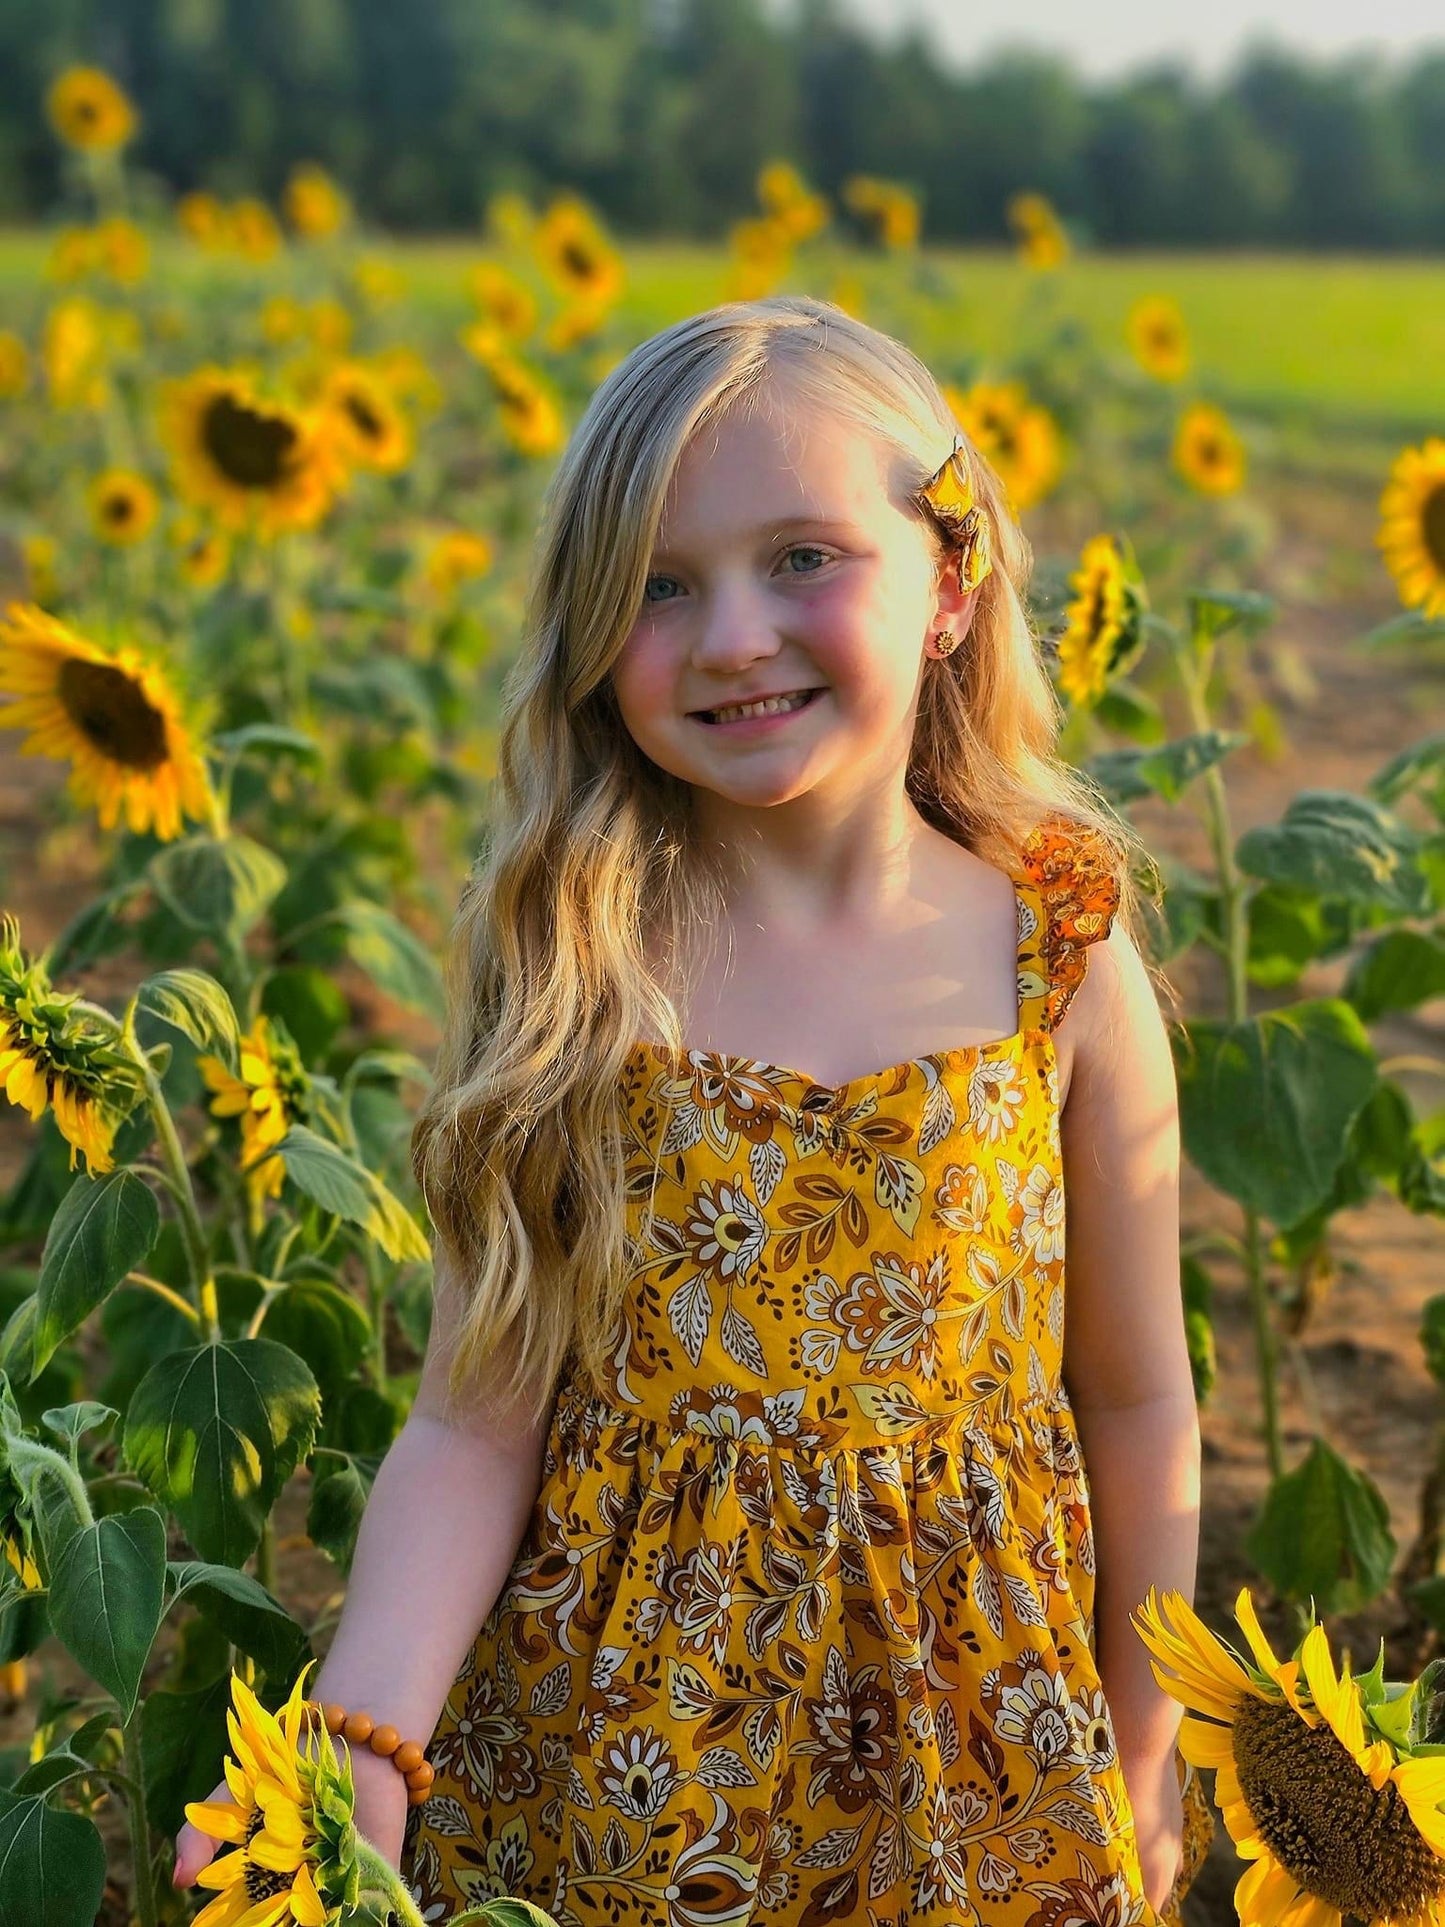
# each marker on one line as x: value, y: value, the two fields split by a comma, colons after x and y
x: 359, y: 1729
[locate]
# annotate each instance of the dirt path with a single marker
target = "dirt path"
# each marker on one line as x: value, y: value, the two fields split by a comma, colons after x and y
x: 1344, y: 714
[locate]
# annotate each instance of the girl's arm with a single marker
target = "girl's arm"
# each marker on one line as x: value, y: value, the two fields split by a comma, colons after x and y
x: 1126, y: 1363
x: 446, y: 1515
x: 447, y: 1512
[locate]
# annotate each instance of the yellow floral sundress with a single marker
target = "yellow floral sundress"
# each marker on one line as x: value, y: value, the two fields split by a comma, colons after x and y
x: 800, y: 1627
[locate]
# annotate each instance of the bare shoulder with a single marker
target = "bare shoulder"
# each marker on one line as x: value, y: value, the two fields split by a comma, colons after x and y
x: 1118, y: 1042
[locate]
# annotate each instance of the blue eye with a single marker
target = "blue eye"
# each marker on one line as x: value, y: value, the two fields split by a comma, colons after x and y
x: 798, y: 548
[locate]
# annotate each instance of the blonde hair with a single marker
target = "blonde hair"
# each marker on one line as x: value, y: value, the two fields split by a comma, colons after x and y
x: 591, y: 853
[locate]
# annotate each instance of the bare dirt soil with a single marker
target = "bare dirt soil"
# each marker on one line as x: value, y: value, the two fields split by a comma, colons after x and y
x: 1344, y: 712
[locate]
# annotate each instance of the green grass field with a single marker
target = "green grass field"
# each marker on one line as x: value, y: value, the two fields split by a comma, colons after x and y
x: 1357, y: 340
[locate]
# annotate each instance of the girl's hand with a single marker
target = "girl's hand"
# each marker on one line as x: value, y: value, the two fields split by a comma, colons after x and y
x: 1159, y: 1824
x: 381, y: 1811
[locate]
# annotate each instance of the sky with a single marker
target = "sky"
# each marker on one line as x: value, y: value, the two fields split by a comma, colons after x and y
x: 1112, y: 36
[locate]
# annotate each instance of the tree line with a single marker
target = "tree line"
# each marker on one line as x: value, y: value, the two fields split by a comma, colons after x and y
x: 662, y: 112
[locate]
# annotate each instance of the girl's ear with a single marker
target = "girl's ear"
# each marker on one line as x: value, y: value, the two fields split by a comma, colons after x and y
x: 955, y: 603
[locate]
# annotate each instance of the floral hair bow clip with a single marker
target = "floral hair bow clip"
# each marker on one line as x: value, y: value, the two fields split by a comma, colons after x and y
x: 950, y: 496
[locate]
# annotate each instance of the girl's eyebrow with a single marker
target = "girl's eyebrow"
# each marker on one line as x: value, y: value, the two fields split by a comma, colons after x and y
x: 778, y: 528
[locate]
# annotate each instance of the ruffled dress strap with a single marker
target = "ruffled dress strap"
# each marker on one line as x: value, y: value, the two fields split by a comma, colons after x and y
x: 1068, y: 890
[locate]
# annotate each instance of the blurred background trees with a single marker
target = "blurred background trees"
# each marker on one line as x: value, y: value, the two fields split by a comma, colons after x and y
x: 662, y: 112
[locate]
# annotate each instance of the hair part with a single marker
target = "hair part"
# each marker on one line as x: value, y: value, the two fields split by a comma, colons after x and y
x: 591, y: 863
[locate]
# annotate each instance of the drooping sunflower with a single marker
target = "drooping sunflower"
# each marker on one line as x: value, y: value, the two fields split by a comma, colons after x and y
x: 1412, y: 526
x: 576, y: 254
x: 250, y: 460
x: 271, y: 1093
x: 1043, y: 241
x: 503, y: 299
x: 14, y: 365
x: 1018, y: 437
x: 888, y: 213
x: 57, y: 1057
x: 1207, y: 452
x: 457, y: 556
x: 1104, y: 632
x: 89, y: 111
x: 531, y: 417
x: 790, y: 205
x: 1316, y: 1773
x: 123, y: 506
x: 1157, y: 335
x: 368, y: 424
x: 313, y: 203
x: 113, y: 716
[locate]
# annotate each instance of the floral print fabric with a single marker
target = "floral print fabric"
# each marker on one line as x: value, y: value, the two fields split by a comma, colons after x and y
x: 800, y: 1628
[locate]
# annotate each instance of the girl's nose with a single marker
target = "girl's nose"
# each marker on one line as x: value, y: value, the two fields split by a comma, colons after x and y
x: 737, y: 627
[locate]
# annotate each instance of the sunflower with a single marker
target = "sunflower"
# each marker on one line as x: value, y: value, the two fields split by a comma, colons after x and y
x: 1319, y: 1786
x: 202, y: 217
x: 794, y: 212
x: 57, y: 1056
x: 289, y: 1819
x: 378, y: 282
x: 14, y: 365
x: 123, y: 506
x: 1156, y: 333
x: 1412, y: 528
x: 369, y: 427
x: 113, y: 716
x: 314, y: 205
x: 889, y: 214
x: 89, y: 111
x: 203, y: 553
x: 503, y: 300
x: 576, y: 253
x: 72, y: 254
x: 248, y: 459
x: 122, y: 250
x: 72, y: 352
x: 574, y: 325
x: 1207, y: 452
x: 252, y: 229
x: 1017, y: 437
x: 1104, y: 630
x: 530, y: 416
x: 454, y: 558
x: 269, y: 1095
x: 1043, y: 243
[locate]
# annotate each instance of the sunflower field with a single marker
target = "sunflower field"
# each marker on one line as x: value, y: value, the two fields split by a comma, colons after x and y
x: 267, y: 486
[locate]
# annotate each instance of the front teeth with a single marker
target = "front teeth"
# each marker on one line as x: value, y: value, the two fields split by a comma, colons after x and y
x: 773, y: 707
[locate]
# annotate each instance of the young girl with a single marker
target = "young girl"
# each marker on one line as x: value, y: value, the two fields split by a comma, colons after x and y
x: 795, y: 977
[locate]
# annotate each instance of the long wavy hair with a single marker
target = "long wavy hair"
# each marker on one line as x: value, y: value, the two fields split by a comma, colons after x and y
x: 590, y: 863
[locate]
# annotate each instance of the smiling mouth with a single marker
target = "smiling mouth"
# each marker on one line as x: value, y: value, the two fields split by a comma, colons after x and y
x: 795, y: 699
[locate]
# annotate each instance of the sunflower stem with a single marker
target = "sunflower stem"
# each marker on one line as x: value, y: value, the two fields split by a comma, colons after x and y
x: 140, y: 1832
x: 379, y: 1877
x: 182, y: 1190
x: 1194, y: 662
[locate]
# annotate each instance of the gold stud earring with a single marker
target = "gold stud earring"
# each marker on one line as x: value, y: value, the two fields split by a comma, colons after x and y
x: 944, y: 643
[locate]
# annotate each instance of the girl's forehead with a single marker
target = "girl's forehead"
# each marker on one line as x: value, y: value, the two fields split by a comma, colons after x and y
x: 790, y: 459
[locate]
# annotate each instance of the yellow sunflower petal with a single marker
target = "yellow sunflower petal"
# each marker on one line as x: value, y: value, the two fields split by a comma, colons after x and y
x: 306, y: 1902
x: 1264, y: 1892
x: 1335, y: 1698
x: 218, y: 1818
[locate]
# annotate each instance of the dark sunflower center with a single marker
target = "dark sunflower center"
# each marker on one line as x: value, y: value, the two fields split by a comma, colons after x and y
x: 1351, y: 1844
x: 365, y: 417
x: 262, y: 1883
x: 1432, y: 525
x: 112, y: 712
x: 251, y: 449
x: 119, y: 509
x: 86, y: 112
x: 579, y: 261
